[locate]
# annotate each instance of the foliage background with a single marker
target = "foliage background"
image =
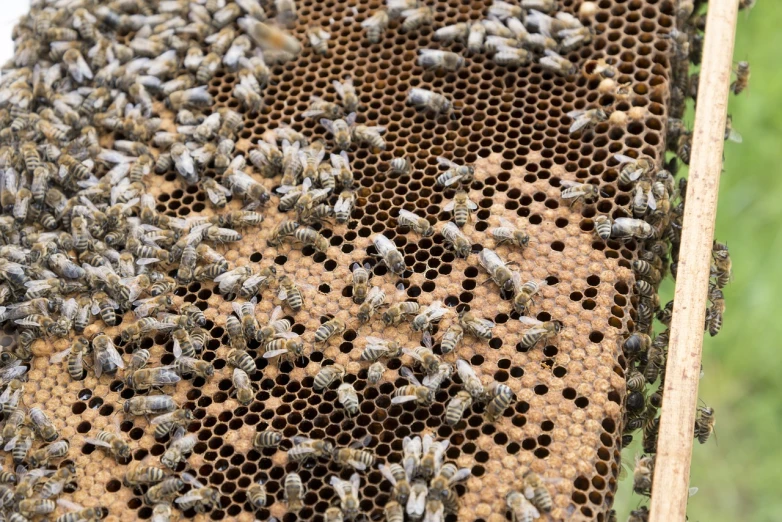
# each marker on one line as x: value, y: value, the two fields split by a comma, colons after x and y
x: 738, y: 475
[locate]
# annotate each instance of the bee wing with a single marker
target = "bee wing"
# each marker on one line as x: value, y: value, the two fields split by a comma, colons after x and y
x: 465, y: 370
x: 529, y: 321
x: 338, y: 85
x: 386, y: 472
x: 407, y: 373
x: 252, y: 281
x: 650, y: 201
x: 276, y: 314
x: 285, y: 335
x: 96, y: 442
x: 339, y: 487
x: 190, y: 497
x: 460, y: 475
x: 328, y: 124
x: 579, y: 123
x: 416, y: 504
x: 734, y: 136
x: 283, y: 294
x: 400, y: 399
x: 147, y: 261
x: 69, y: 308
x: 274, y: 353
x: 410, y: 216
x: 11, y: 444
x: 59, y: 357
x: 67, y: 504
x: 427, y: 341
x: 214, y: 192
x: 404, y: 370
x: 453, y: 180
x: 237, y: 308
x: 177, y: 349
x: 26, y: 322
x: 450, y: 205
x: 187, y: 478
x: 166, y: 376
x: 446, y: 162
x: 373, y: 292
x: 621, y: 158
x: 355, y: 481
x: 471, y: 204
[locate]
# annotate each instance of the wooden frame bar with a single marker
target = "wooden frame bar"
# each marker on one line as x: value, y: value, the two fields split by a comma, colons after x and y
x: 674, y: 446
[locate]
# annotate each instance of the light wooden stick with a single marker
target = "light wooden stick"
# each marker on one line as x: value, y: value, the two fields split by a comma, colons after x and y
x: 674, y: 446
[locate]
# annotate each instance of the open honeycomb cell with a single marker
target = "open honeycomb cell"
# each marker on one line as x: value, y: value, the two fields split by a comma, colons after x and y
x: 512, y: 125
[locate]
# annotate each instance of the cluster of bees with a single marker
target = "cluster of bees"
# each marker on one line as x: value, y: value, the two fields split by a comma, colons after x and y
x: 82, y: 236
x: 33, y: 488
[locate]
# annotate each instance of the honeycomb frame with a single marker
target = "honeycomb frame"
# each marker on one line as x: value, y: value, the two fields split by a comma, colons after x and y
x: 567, y: 423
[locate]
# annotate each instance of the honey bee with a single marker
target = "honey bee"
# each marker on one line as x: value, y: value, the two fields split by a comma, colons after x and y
x: 171, y: 421
x: 347, y: 93
x: 162, y: 512
x: 426, y: 319
x: 414, y: 391
x: 181, y: 445
x: 35, y: 507
x: 416, y: 18
x: 256, y: 494
x: 627, y: 228
x: 715, y: 311
x: 43, y: 456
x: 399, y: 480
x: 56, y: 483
x: 375, y: 372
x: 556, y: 64
x: 319, y: 38
x: 501, y: 397
x: 377, y: 348
x: 285, y: 228
x: 642, y: 475
x: 268, y: 37
x: 521, y: 509
x: 454, y: 237
x: 304, y: 449
x: 243, y: 389
x: 118, y: 448
x: 148, y: 378
x: 360, y: 282
x: 576, y: 191
x: 523, y: 293
x: 704, y: 424
x: 603, y: 226
x: 328, y: 375
x: 320, y: 107
x: 290, y: 293
x: 246, y: 187
x: 215, y: 192
x: 742, y: 78
x: 371, y: 136
x: 329, y: 329
x: 43, y: 426
x: 310, y: 236
x: 286, y: 344
x: 440, y: 60
x: 457, y: 406
x: 241, y: 359
x: 496, y: 268
x: 583, y: 119
x: 341, y: 129
x: 293, y: 492
x: 470, y: 381
x: 722, y: 265
x: 375, y: 299
x: 540, y: 330
x: 398, y: 312
x: 75, y: 355
x: 452, y: 33
x: 537, y: 492
x: 633, y: 169
x: 462, y: 208
x: 200, y: 498
x: 376, y: 25
x: 354, y: 456
x: 267, y: 439
x: 507, y: 56
x: 107, y: 358
x: 149, y: 405
x: 163, y: 491
x: 388, y: 252
x: 417, y: 224
x: 347, y: 396
x: 429, y: 101
x: 347, y: 491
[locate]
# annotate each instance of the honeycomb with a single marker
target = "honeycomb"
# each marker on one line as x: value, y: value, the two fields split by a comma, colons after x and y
x: 566, y: 424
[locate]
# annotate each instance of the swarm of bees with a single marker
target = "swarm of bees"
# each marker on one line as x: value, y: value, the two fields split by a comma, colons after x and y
x: 86, y: 246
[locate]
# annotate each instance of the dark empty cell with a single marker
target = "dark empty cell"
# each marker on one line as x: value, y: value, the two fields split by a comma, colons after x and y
x: 541, y: 389
x: 595, y: 337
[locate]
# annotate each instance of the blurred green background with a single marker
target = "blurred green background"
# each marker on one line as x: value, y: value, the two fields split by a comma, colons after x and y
x: 740, y: 474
